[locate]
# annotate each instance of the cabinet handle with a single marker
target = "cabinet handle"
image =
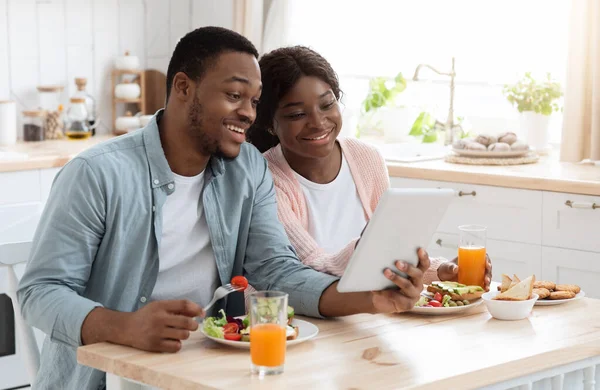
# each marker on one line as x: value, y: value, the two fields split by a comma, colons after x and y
x: 582, y: 205
x: 441, y: 244
x: 472, y: 193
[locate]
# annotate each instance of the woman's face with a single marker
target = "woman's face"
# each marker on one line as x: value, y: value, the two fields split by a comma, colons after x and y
x: 308, y: 119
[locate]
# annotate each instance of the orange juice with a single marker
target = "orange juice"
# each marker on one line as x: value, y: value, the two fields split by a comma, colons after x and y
x: 471, y: 266
x: 267, y: 345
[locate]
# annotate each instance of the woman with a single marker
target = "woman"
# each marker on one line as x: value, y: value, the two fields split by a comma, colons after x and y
x: 327, y: 189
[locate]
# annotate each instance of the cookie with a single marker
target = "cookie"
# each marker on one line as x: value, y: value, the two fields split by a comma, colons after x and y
x: 568, y: 287
x: 544, y: 284
x: 562, y: 295
x: 542, y: 292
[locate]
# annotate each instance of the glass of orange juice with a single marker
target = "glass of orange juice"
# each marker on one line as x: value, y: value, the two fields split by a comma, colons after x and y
x: 268, y: 322
x: 471, y: 255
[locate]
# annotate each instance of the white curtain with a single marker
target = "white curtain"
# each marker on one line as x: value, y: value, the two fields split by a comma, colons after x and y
x: 581, y: 125
x: 248, y: 20
x: 276, y: 33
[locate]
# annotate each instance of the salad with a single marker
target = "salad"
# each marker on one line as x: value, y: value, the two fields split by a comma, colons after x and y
x: 449, y: 294
x: 237, y: 329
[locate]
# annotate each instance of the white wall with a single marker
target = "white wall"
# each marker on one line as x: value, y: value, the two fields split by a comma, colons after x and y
x: 53, y: 41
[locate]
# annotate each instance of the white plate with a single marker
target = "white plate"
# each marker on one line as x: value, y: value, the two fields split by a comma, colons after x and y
x: 548, y: 302
x: 306, y: 332
x: 488, y: 154
x: 441, y: 311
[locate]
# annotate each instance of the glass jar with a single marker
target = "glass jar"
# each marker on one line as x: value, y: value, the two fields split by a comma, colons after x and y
x: 90, y: 102
x: 77, y: 120
x: 50, y: 97
x: 33, y: 125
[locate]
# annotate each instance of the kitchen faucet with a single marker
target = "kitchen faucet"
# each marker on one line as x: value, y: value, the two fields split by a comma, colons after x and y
x: 449, y: 125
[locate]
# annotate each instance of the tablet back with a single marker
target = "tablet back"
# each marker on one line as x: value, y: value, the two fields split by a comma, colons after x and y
x: 404, y: 220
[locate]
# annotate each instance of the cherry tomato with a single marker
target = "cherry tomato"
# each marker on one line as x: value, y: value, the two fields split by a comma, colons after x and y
x: 435, y: 303
x: 230, y: 328
x: 437, y: 297
x: 239, y: 282
x: 232, y: 336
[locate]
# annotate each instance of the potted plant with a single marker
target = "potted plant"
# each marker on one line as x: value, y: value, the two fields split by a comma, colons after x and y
x: 381, y: 111
x: 536, y: 101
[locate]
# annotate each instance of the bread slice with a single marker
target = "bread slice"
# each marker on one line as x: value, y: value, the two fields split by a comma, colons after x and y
x: 506, y: 282
x: 520, y: 292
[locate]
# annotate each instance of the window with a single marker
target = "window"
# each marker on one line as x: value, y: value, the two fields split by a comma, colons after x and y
x: 494, y: 42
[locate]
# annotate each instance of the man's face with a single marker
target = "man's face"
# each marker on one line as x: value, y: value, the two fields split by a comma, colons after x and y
x: 224, y: 104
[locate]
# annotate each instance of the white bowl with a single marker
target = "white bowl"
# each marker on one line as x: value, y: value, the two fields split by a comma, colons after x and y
x: 508, y: 310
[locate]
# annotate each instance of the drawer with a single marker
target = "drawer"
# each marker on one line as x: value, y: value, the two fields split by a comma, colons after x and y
x: 19, y: 187
x: 510, y: 214
x: 507, y: 257
x: 569, y: 266
x: 576, y: 226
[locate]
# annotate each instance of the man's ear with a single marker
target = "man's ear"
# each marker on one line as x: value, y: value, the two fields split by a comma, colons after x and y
x: 182, y: 86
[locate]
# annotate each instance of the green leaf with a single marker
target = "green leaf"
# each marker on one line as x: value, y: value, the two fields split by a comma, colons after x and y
x: 430, y: 138
x: 417, y: 127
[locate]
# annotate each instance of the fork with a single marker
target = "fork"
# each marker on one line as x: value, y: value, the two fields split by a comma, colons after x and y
x: 220, y: 293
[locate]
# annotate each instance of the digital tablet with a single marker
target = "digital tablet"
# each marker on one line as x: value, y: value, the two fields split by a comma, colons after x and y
x: 405, y: 219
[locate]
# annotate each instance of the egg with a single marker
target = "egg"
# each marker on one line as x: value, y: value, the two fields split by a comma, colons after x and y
x: 507, y: 138
x: 499, y: 147
x: 486, y: 140
x: 519, y: 145
x: 475, y: 146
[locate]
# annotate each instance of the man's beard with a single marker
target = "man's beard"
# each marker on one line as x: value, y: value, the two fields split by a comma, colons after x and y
x: 204, y: 141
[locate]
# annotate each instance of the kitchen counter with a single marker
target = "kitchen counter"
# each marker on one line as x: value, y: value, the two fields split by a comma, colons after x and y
x: 547, y: 175
x: 45, y: 154
x: 471, y: 351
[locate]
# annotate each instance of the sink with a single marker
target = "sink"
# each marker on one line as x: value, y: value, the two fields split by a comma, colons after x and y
x: 413, y: 152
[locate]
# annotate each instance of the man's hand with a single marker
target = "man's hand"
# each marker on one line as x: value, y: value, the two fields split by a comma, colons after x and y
x: 448, y: 271
x: 404, y: 299
x: 158, y: 327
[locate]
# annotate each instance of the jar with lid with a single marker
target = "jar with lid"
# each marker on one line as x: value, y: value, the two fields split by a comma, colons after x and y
x: 33, y: 125
x: 50, y: 97
x: 90, y: 102
x: 77, y: 124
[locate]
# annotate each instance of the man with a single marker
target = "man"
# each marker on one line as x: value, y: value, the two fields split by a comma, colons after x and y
x: 139, y: 231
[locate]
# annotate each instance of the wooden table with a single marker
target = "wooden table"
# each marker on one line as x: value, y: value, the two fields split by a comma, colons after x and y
x: 386, y: 351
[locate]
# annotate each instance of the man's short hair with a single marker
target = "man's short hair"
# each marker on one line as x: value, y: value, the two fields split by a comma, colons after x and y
x: 198, y: 49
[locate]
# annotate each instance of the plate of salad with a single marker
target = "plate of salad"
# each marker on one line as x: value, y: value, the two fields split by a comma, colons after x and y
x: 235, y: 331
x: 443, y: 298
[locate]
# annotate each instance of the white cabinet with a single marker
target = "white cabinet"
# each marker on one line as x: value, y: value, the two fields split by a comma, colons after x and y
x: 567, y: 266
x: 46, y: 179
x: 507, y: 257
x: 571, y: 221
x: 510, y: 214
x: 19, y: 187
x: 555, y: 236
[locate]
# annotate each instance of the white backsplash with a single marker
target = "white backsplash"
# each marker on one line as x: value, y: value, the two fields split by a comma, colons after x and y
x: 46, y: 42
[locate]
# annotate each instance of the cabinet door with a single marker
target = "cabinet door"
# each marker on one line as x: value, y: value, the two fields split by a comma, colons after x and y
x: 571, y: 221
x: 19, y: 187
x: 507, y: 257
x: 567, y: 266
x: 510, y: 214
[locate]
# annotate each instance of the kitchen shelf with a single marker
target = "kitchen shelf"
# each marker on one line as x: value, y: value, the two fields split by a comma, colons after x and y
x: 140, y: 102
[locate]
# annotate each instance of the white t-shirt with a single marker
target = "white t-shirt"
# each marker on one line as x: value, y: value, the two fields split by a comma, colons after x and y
x: 335, y: 212
x: 187, y: 267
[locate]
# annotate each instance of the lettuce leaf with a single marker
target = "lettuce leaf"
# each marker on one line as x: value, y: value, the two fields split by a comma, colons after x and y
x: 213, y: 326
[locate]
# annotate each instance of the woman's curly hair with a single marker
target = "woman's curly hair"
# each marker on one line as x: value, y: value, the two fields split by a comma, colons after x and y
x: 281, y: 69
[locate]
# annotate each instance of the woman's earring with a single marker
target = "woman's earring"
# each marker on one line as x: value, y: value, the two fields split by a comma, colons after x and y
x: 270, y: 130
